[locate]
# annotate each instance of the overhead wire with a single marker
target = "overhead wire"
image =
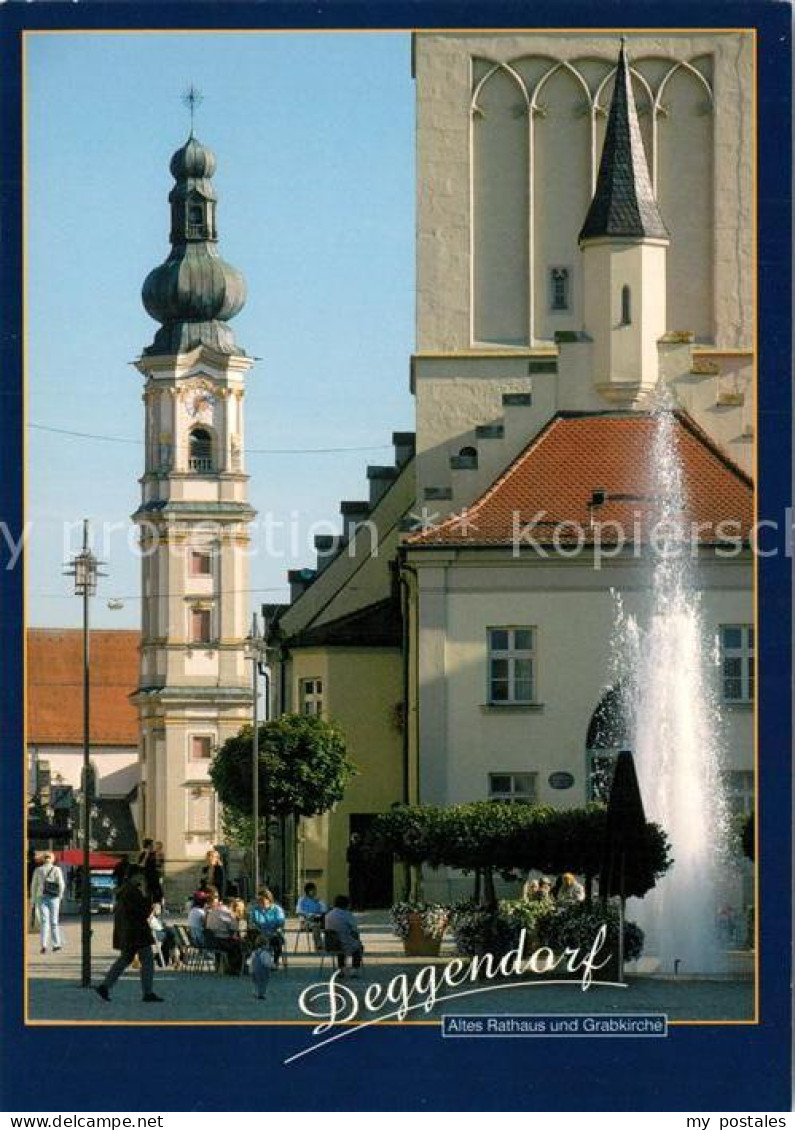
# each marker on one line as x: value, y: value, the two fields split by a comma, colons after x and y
x: 249, y: 450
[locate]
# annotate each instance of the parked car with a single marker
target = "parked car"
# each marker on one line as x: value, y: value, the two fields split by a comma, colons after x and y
x: 103, y: 893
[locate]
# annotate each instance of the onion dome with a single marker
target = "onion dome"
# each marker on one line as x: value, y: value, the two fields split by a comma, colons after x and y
x: 623, y: 205
x: 195, y: 292
x: 192, y: 160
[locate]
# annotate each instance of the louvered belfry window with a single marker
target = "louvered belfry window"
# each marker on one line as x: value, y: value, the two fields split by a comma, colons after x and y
x: 201, y: 450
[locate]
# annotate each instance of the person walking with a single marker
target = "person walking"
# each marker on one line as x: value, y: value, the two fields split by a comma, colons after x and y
x: 46, y: 890
x: 132, y: 936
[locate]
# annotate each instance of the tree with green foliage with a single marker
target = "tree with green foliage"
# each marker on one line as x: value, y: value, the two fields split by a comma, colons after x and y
x: 303, y: 771
x: 490, y: 837
x: 303, y: 767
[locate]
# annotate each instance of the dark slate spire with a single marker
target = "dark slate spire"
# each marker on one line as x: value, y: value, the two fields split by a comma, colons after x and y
x: 623, y: 204
x: 194, y: 293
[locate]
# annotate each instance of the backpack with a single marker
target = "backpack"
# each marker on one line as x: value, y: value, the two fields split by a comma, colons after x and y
x: 51, y: 888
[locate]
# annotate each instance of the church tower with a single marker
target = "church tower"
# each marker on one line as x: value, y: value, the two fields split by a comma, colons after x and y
x: 194, y: 524
x: 624, y: 243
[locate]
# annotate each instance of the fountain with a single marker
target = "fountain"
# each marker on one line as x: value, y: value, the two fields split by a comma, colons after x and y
x: 675, y: 725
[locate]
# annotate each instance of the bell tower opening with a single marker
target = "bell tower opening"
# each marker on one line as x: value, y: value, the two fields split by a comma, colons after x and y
x: 200, y: 450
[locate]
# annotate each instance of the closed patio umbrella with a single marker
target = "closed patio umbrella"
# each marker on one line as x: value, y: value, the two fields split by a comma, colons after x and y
x: 627, y: 868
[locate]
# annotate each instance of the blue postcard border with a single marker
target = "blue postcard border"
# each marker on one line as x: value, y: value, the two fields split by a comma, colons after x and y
x: 700, y: 1067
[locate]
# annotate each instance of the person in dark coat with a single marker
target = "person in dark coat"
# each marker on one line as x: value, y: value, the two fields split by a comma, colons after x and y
x: 132, y: 936
x: 121, y: 870
x: 148, y: 861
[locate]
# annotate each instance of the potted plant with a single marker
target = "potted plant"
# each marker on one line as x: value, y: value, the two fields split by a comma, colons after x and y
x: 420, y: 926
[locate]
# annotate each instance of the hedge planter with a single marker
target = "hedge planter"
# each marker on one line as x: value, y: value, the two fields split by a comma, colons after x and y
x: 418, y: 942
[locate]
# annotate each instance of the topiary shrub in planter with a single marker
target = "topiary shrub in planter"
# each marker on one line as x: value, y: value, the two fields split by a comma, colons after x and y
x: 575, y: 925
x: 496, y: 930
x: 420, y: 926
x: 480, y: 930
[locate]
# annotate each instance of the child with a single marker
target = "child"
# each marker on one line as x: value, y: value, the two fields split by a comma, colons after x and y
x: 261, y: 963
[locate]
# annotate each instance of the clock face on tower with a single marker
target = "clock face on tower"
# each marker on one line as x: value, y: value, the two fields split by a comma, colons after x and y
x: 200, y: 401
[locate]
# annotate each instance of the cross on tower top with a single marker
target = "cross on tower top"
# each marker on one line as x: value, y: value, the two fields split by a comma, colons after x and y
x: 192, y: 98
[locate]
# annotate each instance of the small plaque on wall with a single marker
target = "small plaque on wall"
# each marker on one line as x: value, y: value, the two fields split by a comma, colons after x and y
x: 560, y: 780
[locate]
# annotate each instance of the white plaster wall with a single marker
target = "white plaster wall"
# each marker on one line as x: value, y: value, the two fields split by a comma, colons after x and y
x: 625, y: 353
x: 500, y: 252
x: 572, y: 610
x: 705, y: 166
x: 686, y: 192
x: 453, y: 396
x: 117, y: 766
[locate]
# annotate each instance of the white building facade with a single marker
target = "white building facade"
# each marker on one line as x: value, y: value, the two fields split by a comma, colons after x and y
x: 585, y: 239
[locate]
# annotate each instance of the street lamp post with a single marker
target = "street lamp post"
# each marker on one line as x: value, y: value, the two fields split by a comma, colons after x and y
x: 85, y: 570
x: 255, y: 651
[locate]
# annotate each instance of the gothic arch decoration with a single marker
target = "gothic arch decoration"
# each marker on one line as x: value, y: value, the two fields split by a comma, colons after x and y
x: 684, y: 122
x: 530, y: 78
x: 500, y: 181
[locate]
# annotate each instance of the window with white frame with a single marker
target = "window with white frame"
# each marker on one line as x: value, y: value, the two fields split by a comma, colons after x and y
x: 512, y: 665
x: 737, y: 662
x: 559, y: 289
x: 311, y: 696
x: 516, y: 788
x: 201, y: 747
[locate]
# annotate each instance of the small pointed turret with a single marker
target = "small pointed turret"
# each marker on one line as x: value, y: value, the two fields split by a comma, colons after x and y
x: 624, y: 244
x: 623, y: 205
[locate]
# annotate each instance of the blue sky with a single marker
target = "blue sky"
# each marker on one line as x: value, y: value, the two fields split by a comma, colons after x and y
x: 314, y: 139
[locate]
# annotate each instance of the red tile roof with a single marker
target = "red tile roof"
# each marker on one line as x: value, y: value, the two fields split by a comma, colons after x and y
x: 55, y: 686
x: 554, y: 478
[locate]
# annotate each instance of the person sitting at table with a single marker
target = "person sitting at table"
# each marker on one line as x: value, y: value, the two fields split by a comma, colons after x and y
x: 570, y: 890
x: 238, y: 909
x: 268, y: 919
x: 312, y: 910
x: 196, y: 918
x: 309, y: 905
x: 342, y: 921
x: 222, y: 924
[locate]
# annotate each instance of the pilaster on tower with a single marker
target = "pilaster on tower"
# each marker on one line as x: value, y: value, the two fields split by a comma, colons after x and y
x: 194, y: 521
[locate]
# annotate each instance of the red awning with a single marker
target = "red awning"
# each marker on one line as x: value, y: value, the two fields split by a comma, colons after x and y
x: 97, y: 860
